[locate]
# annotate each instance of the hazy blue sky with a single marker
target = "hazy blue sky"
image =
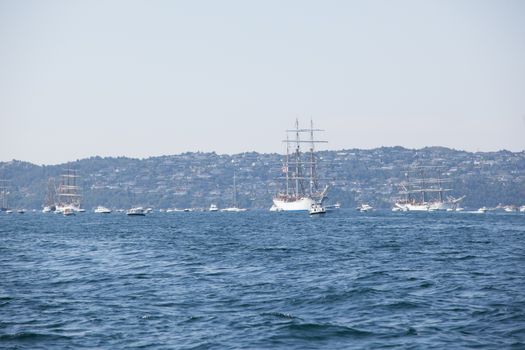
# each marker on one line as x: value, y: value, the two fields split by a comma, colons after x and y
x: 143, y: 78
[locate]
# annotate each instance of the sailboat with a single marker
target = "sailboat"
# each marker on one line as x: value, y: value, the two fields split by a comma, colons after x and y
x: 423, y: 193
x: 234, y: 208
x: 68, y: 193
x: 301, y: 190
x: 49, y: 203
x: 4, y: 191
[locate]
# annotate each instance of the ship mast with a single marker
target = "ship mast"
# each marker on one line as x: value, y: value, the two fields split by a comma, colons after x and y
x: 300, y: 175
x: 4, y: 191
x: 297, y: 158
x: 234, y: 191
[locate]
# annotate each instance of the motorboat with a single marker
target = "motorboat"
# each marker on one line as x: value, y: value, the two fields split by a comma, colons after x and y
x: 213, y: 207
x: 68, y: 211
x: 364, y: 208
x: 102, y: 210
x: 136, y: 211
x: 482, y: 210
x: 316, y: 209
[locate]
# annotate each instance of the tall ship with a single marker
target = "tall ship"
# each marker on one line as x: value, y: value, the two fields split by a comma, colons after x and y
x: 421, y: 192
x: 301, y: 189
x: 68, y: 192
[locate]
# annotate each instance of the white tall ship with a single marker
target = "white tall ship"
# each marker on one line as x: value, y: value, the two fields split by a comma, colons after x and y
x: 301, y: 189
x: 68, y: 192
x: 423, y: 193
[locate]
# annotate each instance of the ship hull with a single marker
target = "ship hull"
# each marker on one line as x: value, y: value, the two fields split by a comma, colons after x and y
x: 429, y: 206
x: 302, y: 204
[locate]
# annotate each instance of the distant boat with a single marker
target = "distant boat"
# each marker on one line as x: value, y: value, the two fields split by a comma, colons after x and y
x: 424, y: 193
x: 213, y: 207
x: 482, y: 210
x: 234, y: 208
x: 49, y: 209
x: 8, y: 211
x: 301, y: 190
x: 137, y: 211
x: 68, y: 192
x: 68, y: 211
x: 21, y: 211
x: 102, y: 210
x: 364, y: 208
x: 522, y: 209
x: 316, y: 209
x: 509, y: 208
x: 337, y: 205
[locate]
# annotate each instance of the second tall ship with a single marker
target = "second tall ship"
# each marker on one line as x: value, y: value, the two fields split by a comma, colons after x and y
x: 424, y: 193
x: 301, y: 189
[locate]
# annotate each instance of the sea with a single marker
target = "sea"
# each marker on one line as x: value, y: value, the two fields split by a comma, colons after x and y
x: 262, y: 280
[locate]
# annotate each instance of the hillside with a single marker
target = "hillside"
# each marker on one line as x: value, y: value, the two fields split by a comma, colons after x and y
x: 199, y: 179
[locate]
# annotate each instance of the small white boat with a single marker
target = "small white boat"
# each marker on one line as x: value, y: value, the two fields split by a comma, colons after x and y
x: 316, y: 209
x: 522, y: 209
x: 9, y: 211
x: 482, y: 210
x: 337, y: 205
x: 233, y: 210
x: 364, y: 208
x: 21, y: 211
x: 102, y: 210
x: 68, y: 211
x: 213, y: 207
x: 137, y: 211
x: 510, y: 208
x: 48, y: 209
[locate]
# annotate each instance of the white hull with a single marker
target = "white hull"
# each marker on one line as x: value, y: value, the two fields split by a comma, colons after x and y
x: 429, y: 206
x: 411, y: 207
x: 61, y: 208
x: 302, y: 204
x: 102, y: 210
x: 233, y: 210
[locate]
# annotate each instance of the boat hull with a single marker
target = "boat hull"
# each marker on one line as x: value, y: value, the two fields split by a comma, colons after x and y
x: 301, y: 204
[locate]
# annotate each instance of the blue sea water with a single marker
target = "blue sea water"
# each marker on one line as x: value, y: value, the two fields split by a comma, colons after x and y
x: 262, y: 280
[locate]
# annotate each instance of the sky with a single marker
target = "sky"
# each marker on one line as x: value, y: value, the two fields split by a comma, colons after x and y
x: 148, y: 78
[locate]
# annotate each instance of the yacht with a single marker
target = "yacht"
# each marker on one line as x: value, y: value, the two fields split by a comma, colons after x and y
x: 102, y: 210
x: 136, y: 211
x: 213, y: 207
x: 21, y: 211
